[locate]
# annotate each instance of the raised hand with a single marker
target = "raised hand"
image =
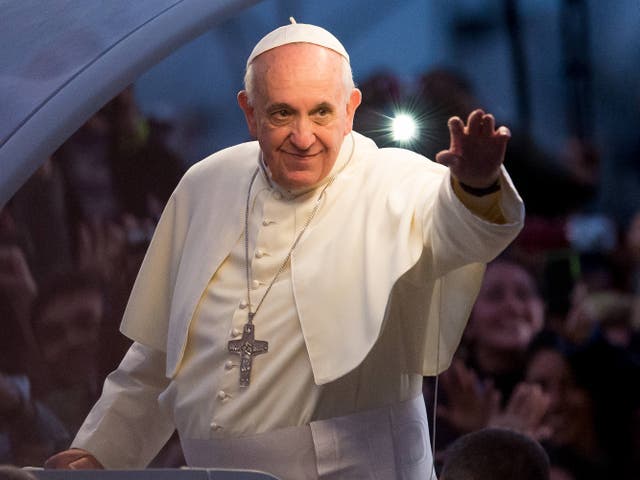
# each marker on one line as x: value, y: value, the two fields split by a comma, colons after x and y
x: 477, y: 149
x: 18, y: 287
x: 470, y: 402
x: 525, y: 412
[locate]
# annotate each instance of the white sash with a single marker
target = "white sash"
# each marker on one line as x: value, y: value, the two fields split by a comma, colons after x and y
x: 381, y: 444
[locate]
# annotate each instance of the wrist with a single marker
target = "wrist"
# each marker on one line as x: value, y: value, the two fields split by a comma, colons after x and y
x: 481, y: 191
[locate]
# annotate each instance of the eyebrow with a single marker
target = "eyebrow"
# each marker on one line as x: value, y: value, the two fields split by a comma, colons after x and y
x: 325, y: 106
x: 285, y: 106
x: 279, y: 106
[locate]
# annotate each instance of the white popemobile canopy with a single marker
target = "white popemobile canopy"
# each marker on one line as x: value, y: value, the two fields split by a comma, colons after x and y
x: 61, y: 60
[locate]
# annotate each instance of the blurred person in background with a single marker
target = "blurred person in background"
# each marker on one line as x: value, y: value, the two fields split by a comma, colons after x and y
x: 485, y: 386
x: 119, y: 162
x: 495, y: 454
x: 594, y: 394
x: 29, y: 432
x: 67, y: 319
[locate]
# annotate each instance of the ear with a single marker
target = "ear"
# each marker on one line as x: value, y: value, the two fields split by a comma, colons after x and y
x: 354, y: 102
x: 249, y: 113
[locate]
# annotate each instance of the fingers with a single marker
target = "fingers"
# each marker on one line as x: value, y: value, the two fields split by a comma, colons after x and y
x: 493, y: 398
x: 73, y: 459
x: 474, y: 123
x: 479, y: 123
x: 14, y: 271
x: 504, y: 132
x: 488, y: 125
x: 525, y: 411
x: 456, y: 126
x: 85, y: 463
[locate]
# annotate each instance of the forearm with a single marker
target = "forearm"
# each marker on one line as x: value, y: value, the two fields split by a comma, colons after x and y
x: 457, y: 235
x: 126, y: 427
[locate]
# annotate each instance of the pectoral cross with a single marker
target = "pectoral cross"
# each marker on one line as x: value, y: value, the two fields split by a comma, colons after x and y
x: 247, y: 347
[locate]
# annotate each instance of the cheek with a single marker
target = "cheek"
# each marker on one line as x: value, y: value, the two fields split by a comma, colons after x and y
x: 483, y: 316
x: 537, y: 314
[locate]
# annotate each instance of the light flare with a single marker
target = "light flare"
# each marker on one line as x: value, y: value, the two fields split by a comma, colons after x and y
x: 404, y: 128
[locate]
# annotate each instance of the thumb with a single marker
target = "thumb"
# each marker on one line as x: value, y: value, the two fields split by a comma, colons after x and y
x: 448, y: 158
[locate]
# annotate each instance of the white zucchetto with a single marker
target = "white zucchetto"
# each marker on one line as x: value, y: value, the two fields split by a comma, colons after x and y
x: 297, y: 33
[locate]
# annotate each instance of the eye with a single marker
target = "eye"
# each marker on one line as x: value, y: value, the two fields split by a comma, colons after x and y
x: 281, y: 114
x: 322, y: 115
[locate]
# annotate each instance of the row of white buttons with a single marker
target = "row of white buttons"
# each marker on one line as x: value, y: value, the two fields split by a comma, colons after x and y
x: 236, y: 332
x: 222, y: 395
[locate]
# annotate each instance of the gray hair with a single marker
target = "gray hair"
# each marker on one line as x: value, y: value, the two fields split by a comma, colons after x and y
x: 249, y: 80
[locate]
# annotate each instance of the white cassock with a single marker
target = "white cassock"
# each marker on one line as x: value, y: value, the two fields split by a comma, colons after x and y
x: 376, y: 295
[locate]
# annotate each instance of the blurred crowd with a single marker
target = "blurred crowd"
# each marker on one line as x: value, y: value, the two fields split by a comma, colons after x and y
x: 71, y: 242
x: 552, y: 348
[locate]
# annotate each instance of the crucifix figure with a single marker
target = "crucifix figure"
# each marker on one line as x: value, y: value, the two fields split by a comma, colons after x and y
x: 247, y: 347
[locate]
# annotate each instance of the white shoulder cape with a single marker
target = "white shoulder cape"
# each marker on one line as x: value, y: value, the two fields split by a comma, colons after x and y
x: 390, y: 239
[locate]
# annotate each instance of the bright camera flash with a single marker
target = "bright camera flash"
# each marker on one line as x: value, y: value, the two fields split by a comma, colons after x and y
x: 403, y: 127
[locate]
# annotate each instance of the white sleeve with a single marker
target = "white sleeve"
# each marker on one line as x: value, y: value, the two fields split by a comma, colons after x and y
x: 126, y: 428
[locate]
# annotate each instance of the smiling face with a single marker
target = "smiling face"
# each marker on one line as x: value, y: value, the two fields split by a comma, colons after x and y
x: 508, y: 311
x: 300, y: 112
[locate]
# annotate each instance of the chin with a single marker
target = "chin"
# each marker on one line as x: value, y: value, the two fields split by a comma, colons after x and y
x: 299, y: 181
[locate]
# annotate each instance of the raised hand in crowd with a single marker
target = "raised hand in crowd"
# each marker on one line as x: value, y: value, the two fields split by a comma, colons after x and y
x: 101, y: 247
x: 524, y: 412
x: 18, y: 287
x: 114, y: 249
x: 473, y: 404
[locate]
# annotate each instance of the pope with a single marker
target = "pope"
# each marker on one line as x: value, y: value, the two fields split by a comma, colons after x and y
x: 298, y: 287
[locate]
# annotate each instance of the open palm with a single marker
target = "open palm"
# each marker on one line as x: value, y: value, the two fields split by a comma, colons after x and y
x: 476, y: 150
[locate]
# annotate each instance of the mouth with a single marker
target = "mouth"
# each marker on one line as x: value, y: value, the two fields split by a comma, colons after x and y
x: 303, y: 156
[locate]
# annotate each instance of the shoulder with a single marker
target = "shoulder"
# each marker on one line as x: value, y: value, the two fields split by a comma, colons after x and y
x: 224, y: 166
x: 391, y: 162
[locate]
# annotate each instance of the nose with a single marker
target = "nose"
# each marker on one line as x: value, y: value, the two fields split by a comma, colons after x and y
x: 515, y: 304
x: 302, y: 136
